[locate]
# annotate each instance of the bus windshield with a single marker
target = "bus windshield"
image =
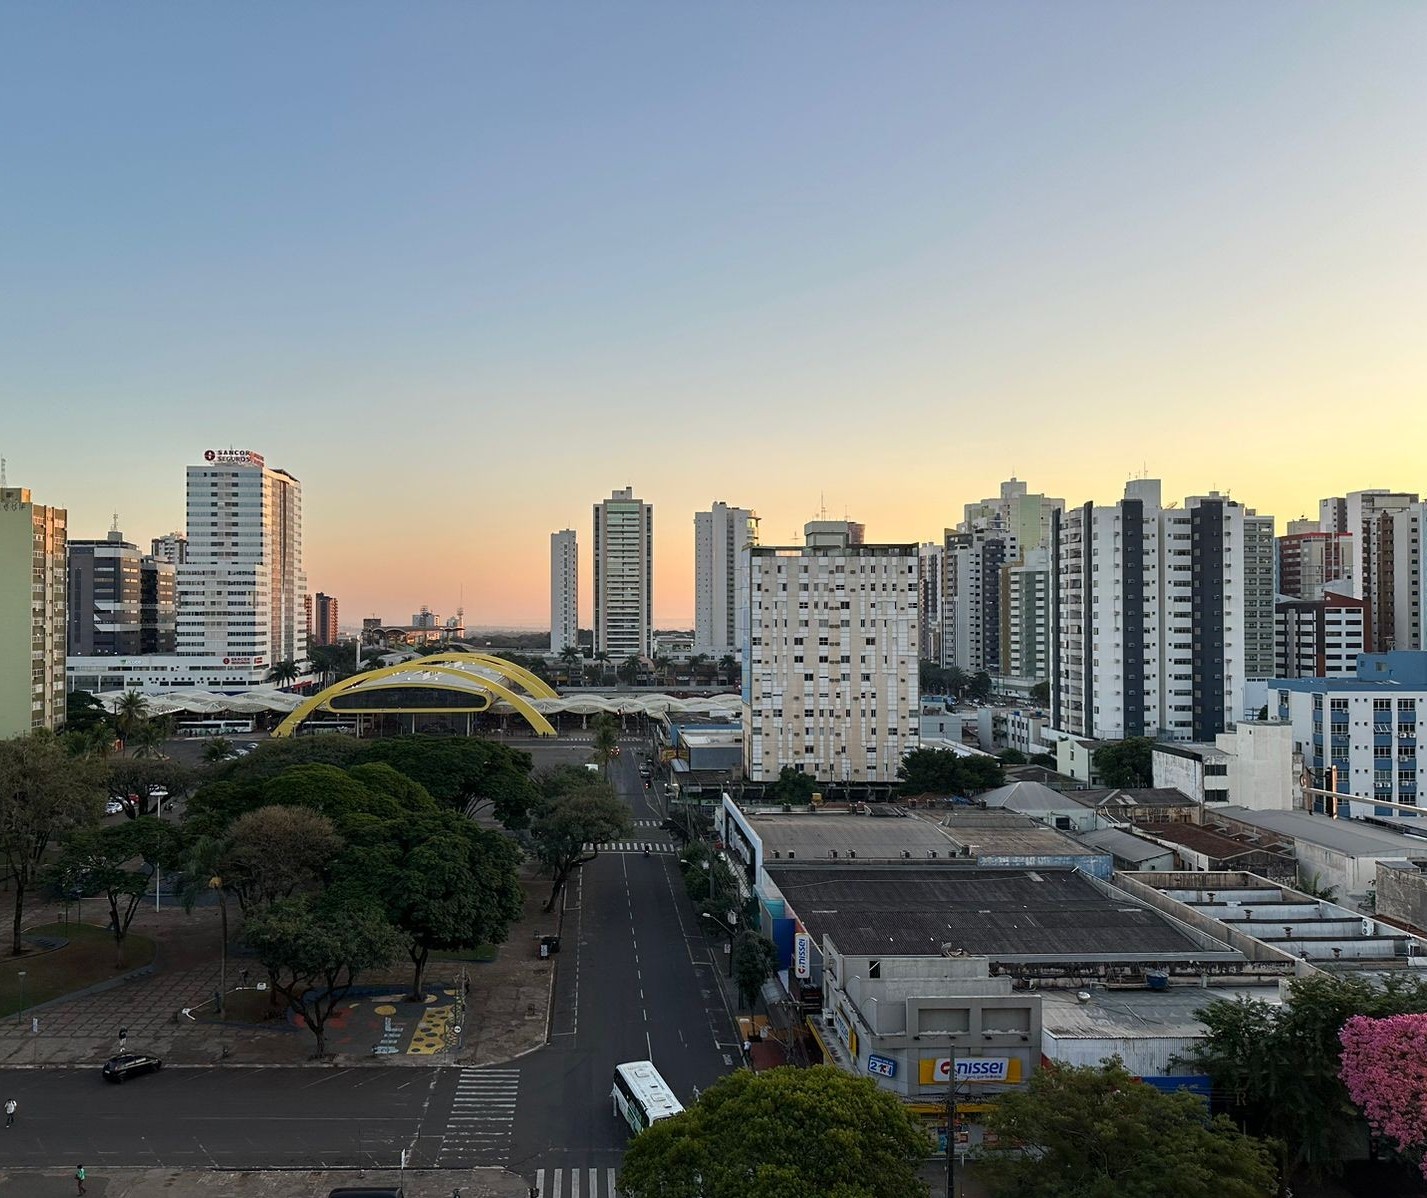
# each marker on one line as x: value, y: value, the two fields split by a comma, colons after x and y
x: 641, y: 1096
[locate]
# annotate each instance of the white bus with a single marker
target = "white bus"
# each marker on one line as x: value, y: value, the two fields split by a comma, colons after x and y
x: 214, y: 727
x: 641, y: 1095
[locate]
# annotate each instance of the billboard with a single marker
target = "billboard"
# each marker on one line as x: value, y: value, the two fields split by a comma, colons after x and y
x: 937, y: 1070
x: 802, y: 955
x: 232, y: 457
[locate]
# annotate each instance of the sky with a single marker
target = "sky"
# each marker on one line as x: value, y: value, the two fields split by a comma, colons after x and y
x: 465, y: 268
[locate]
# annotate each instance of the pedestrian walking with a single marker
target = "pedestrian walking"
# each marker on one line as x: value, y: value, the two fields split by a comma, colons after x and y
x: 10, y: 1105
x: 79, y: 1176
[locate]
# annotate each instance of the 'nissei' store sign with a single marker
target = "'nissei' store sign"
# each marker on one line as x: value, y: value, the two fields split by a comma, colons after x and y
x: 937, y: 1070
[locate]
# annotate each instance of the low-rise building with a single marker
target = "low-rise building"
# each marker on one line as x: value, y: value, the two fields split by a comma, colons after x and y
x: 1252, y: 765
x: 1064, y: 812
x: 1401, y: 892
x: 1129, y: 851
x: 1136, y: 804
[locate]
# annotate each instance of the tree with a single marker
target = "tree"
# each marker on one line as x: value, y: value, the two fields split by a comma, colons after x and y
x: 315, y: 953
x: 83, y: 712
x: 606, y: 741
x: 939, y: 772
x: 117, y: 862
x: 133, y: 780
x: 566, y: 825
x: 284, y: 673
x: 628, y: 672
x: 571, y: 657
x: 728, y: 665
x: 1011, y: 757
x: 1278, y: 1067
x: 147, y: 740
x: 1126, y: 762
x: 980, y: 686
x: 698, y: 666
x: 465, y: 773
x: 44, y: 793
x: 603, y: 659
x: 275, y: 851
x: 792, y: 787
x: 454, y: 890
x: 219, y: 748
x: 786, y: 1133
x: 1100, y: 1131
x: 1384, y: 1068
x: 203, y: 870
x: 130, y: 711
x: 977, y: 773
x: 1040, y: 693
x: 1045, y: 760
x: 754, y: 958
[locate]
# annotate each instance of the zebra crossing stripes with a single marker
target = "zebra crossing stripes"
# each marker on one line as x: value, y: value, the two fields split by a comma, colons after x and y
x: 482, y: 1113
x: 629, y: 846
x: 575, y: 1183
x: 648, y: 823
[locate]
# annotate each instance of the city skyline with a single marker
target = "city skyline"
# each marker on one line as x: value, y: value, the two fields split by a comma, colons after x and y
x: 462, y: 277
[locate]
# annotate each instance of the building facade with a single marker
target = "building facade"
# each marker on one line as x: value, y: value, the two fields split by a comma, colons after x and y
x: 324, y: 629
x: 830, y: 660
x: 1025, y: 617
x: 158, y: 607
x: 1311, y: 562
x: 1374, y: 518
x: 1319, y: 638
x: 1161, y: 617
x: 972, y: 562
x: 242, y: 587
x: 564, y: 590
x: 720, y: 535
x: 33, y: 613
x: 104, y: 597
x: 624, y: 575
x: 930, y: 575
x: 1358, y: 735
x: 172, y: 547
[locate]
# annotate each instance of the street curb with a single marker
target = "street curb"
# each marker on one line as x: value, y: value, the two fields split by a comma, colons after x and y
x: 554, y: 971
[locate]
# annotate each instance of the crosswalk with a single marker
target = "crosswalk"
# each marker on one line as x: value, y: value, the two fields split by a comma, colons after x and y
x: 482, y: 1113
x: 648, y: 823
x: 629, y: 846
x: 575, y: 1183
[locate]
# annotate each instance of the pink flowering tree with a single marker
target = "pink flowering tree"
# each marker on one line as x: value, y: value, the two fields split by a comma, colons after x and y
x: 1384, y: 1067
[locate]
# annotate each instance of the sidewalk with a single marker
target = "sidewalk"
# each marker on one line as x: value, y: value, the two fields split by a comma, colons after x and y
x: 297, y: 1183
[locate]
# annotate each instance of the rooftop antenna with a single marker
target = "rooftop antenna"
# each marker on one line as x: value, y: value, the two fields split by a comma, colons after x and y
x: 115, y: 526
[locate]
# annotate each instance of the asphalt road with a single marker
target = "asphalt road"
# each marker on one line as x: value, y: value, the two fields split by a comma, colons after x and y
x: 636, y: 979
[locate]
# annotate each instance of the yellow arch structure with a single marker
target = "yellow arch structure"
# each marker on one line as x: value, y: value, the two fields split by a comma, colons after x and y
x: 437, y: 663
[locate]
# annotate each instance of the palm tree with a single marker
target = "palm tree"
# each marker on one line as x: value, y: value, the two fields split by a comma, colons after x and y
x: 216, y: 750
x: 729, y: 665
x: 148, y: 736
x: 130, y: 711
x: 604, y: 659
x: 569, y: 655
x: 628, y: 672
x: 99, y: 740
x: 663, y: 665
x: 283, y: 673
x: 606, y: 743
x: 698, y: 664
x: 203, y: 870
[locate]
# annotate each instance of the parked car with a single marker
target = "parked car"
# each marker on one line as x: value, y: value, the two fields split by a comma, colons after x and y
x: 131, y: 1064
x: 113, y: 807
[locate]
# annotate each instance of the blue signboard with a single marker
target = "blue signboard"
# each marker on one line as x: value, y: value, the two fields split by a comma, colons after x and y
x: 882, y: 1066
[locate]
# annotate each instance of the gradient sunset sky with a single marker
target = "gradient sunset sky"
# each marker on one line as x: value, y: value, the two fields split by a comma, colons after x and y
x: 464, y: 268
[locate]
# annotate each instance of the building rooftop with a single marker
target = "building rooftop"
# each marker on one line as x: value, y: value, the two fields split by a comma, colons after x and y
x: 1192, y: 749
x: 1005, y: 914
x: 1216, y: 844
x: 1138, y: 1013
x: 1123, y: 845
x: 1032, y: 796
x: 1354, y: 838
x: 816, y: 836
x: 1136, y: 796
x: 996, y: 833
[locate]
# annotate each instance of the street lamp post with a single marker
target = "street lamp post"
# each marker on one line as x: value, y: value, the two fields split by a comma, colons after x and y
x: 20, y: 1014
x: 951, y: 1088
x: 734, y: 918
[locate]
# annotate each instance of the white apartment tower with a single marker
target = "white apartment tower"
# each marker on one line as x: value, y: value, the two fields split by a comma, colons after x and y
x: 830, y: 658
x: 564, y: 591
x: 720, y: 535
x: 1161, y: 616
x: 1374, y: 568
x: 241, y: 589
x: 624, y: 575
x: 932, y: 577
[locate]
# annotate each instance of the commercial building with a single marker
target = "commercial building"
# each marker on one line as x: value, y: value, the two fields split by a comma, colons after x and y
x: 564, y: 591
x: 1254, y: 765
x: 830, y: 656
x: 121, y: 602
x: 1319, y: 638
x: 1358, y: 735
x: 241, y: 589
x: 720, y: 535
x: 324, y: 629
x: 33, y: 596
x: 1163, y: 616
x: 623, y: 575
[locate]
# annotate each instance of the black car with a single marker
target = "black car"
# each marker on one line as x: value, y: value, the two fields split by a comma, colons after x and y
x: 131, y: 1064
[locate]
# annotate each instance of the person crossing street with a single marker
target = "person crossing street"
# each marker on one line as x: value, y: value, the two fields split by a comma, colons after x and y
x: 79, y: 1176
x: 10, y: 1105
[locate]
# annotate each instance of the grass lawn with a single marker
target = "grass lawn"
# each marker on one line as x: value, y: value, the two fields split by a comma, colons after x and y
x: 87, y: 958
x: 482, y: 952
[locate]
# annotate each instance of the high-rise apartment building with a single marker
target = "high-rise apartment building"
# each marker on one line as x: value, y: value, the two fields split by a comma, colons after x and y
x: 720, y: 535
x: 1019, y: 518
x: 1310, y: 562
x: 1319, y: 638
x: 931, y: 576
x: 624, y: 575
x: 122, y: 602
x: 242, y: 588
x: 324, y: 629
x: 972, y: 562
x: 564, y: 590
x: 1025, y: 617
x: 33, y: 595
x: 172, y: 547
x: 830, y: 657
x: 1161, y: 616
x: 1376, y: 573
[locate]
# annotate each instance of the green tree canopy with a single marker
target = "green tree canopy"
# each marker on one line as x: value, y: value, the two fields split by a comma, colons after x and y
x: 940, y: 772
x: 1126, y: 762
x: 1040, y: 693
x: 82, y: 711
x: 44, y: 793
x: 315, y: 952
x: 566, y: 825
x: 786, y: 1133
x: 1278, y: 1066
x: 793, y: 787
x: 465, y: 773
x: 133, y: 781
x: 754, y: 958
x: 275, y: 851
x: 1102, y: 1133
x: 606, y: 741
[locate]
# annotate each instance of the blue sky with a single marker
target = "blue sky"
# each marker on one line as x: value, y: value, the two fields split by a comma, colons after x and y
x: 465, y: 268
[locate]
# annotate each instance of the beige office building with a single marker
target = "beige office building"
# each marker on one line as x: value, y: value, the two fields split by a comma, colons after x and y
x: 830, y: 657
x: 33, y: 613
x: 624, y: 576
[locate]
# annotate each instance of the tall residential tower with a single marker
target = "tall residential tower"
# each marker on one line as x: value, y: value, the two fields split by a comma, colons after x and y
x: 564, y: 591
x: 33, y: 608
x: 624, y: 575
x: 720, y: 536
